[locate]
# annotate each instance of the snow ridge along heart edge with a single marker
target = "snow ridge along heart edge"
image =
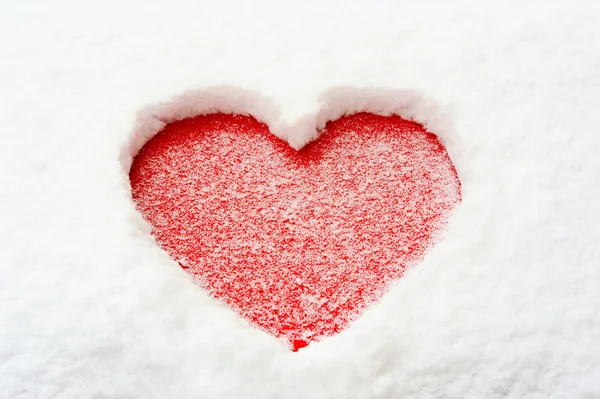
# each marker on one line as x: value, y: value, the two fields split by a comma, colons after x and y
x: 300, y: 126
x: 299, y: 243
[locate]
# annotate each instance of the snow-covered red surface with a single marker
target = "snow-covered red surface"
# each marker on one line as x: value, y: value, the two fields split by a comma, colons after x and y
x: 506, y: 304
x: 298, y: 242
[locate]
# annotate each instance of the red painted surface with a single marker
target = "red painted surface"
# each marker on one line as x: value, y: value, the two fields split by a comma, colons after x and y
x: 299, y: 243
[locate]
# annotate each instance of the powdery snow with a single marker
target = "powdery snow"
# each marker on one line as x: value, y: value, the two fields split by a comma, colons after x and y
x: 505, y: 306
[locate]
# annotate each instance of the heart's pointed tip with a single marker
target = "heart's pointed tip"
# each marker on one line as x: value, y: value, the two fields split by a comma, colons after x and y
x: 298, y: 344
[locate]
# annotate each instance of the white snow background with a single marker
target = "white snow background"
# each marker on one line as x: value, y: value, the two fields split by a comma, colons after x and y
x: 508, y: 305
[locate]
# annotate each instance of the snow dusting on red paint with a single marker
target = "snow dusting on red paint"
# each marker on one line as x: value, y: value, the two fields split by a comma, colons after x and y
x: 297, y: 242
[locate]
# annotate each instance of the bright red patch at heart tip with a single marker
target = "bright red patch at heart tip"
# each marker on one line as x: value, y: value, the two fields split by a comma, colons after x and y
x: 298, y: 344
x: 297, y: 242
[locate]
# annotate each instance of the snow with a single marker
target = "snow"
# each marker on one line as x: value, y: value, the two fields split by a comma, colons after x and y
x: 505, y: 306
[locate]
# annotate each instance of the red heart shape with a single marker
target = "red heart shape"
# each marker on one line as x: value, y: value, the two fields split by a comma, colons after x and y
x: 297, y: 242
